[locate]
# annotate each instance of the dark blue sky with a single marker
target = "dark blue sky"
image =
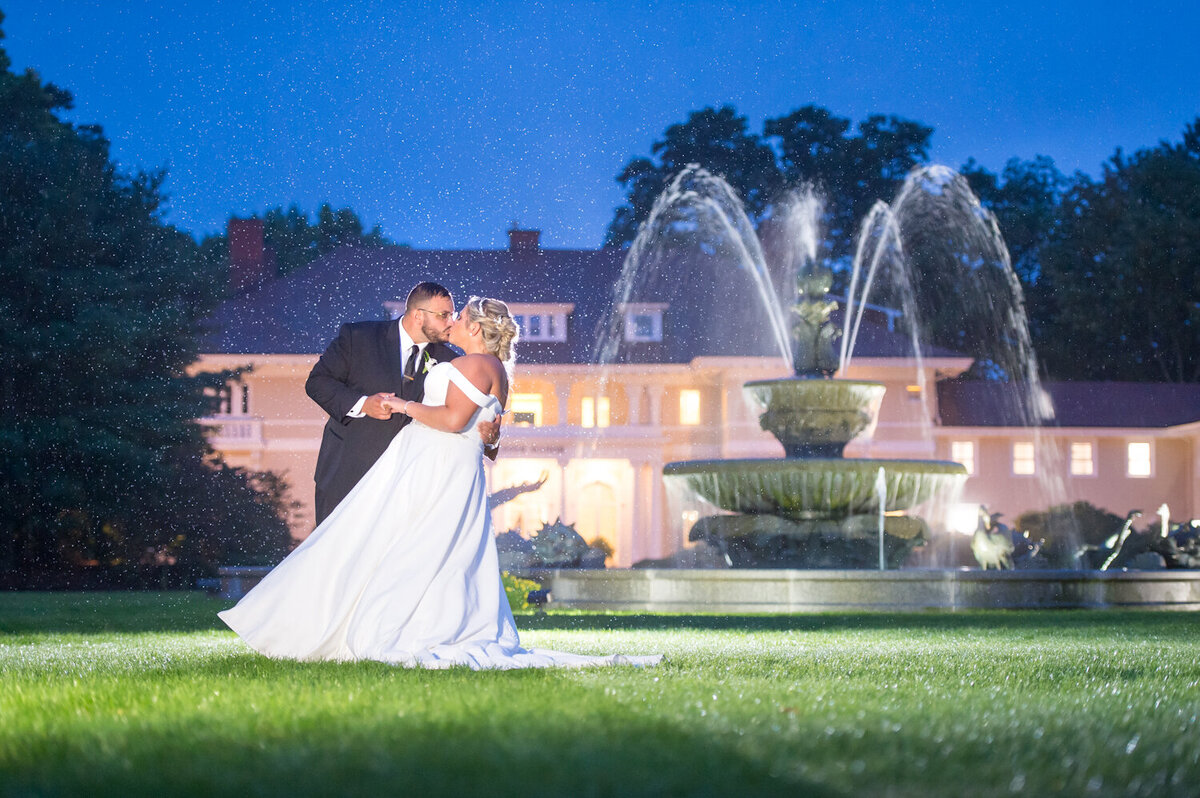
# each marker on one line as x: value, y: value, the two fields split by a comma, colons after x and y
x: 445, y: 122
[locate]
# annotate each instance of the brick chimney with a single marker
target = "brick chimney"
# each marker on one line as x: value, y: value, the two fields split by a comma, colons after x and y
x: 524, y: 243
x: 248, y: 262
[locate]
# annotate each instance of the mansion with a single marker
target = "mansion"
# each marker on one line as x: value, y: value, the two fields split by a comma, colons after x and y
x: 597, y: 438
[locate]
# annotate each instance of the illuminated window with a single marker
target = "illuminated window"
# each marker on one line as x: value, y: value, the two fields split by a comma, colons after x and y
x: 689, y: 407
x: 964, y: 452
x: 1083, y: 463
x: 526, y: 409
x: 1023, y: 460
x: 595, y: 411
x: 1140, y: 459
x: 913, y: 391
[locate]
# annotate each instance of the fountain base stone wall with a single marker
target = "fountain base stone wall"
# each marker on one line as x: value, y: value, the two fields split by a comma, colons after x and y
x: 779, y: 590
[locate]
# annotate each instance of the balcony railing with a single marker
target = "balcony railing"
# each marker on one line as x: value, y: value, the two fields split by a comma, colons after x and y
x: 234, y: 432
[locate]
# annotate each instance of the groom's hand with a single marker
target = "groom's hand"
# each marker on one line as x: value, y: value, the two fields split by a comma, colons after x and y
x: 489, y: 431
x: 379, y: 405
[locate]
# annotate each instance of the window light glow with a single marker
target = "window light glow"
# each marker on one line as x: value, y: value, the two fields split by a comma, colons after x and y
x: 964, y: 452
x: 526, y: 409
x: 1024, y: 460
x: 1140, y: 459
x: 594, y: 411
x: 689, y: 407
x: 1083, y: 462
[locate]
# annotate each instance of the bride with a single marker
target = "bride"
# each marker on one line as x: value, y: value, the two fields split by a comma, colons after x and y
x: 404, y: 569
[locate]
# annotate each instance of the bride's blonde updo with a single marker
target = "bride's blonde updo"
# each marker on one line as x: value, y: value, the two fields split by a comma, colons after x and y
x: 500, y: 331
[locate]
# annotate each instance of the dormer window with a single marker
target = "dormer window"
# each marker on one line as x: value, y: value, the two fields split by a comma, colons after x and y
x: 541, y: 321
x: 643, y: 321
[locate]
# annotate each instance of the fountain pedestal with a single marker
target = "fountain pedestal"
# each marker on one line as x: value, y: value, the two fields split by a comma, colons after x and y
x: 813, y: 509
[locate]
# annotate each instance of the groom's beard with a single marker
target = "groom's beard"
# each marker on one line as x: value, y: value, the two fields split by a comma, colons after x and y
x: 434, y: 335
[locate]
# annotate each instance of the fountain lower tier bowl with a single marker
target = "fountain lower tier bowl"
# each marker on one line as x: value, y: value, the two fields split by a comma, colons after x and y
x: 813, y: 488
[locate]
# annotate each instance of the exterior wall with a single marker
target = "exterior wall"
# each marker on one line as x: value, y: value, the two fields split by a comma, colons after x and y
x: 1174, y: 480
x: 282, y: 430
x: 608, y: 480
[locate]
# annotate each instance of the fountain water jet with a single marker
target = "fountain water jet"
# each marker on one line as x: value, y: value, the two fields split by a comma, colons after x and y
x: 806, y: 501
x: 935, y: 212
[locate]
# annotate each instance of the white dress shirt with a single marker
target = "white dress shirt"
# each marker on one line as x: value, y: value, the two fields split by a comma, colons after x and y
x: 406, y: 345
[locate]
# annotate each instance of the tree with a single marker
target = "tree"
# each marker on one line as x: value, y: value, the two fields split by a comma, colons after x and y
x: 294, y: 241
x: 718, y: 140
x: 1026, y: 198
x: 1121, y: 270
x: 852, y: 172
x: 98, y: 323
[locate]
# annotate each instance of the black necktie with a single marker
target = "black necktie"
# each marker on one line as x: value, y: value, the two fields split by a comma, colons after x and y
x: 410, y: 368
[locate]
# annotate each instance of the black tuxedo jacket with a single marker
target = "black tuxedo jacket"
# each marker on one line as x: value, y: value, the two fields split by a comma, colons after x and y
x: 364, y: 359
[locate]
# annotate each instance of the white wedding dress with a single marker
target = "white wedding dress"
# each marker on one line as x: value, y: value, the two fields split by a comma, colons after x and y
x: 404, y: 570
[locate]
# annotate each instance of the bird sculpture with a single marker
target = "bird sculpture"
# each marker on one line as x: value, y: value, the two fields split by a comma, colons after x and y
x: 1122, y: 538
x: 992, y: 543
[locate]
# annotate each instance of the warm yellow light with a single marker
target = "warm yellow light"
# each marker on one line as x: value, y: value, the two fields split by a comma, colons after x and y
x: 963, y: 518
x: 1024, y: 461
x: 964, y: 452
x: 689, y: 407
x: 1140, y: 461
x: 602, y: 411
x: 528, y: 511
x: 594, y: 411
x: 914, y: 391
x: 1082, y: 463
x: 526, y: 409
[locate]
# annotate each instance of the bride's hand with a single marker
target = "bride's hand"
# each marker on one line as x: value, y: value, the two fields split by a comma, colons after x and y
x: 395, y: 404
x: 380, y: 405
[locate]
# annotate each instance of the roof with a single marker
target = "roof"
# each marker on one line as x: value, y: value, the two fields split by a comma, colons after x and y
x: 711, y: 311
x: 980, y: 403
x: 301, y: 312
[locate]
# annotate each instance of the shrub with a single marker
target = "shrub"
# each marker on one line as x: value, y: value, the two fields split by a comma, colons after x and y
x: 517, y: 590
x: 1065, y: 527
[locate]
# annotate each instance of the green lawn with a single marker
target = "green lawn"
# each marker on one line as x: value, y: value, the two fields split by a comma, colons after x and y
x: 131, y: 694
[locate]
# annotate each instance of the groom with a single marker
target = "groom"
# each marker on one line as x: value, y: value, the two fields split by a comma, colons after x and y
x: 369, y: 363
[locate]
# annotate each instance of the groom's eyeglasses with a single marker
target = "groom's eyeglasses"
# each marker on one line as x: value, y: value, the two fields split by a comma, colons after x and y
x: 441, y: 315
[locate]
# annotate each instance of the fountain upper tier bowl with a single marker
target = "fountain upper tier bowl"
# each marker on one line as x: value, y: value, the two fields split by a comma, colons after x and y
x: 812, y: 416
x: 813, y: 488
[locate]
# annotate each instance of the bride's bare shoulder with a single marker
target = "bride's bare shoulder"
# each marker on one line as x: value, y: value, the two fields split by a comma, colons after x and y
x: 477, y: 360
x: 479, y: 366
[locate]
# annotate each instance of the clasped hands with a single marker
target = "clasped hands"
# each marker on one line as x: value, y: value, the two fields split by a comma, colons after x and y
x: 383, y: 405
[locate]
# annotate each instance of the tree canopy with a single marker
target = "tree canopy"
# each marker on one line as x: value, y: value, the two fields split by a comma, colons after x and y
x: 104, y: 462
x: 717, y: 139
x: 852, y: 169
x: 1107, y: 266
x: 294, y: 241
x: 1120, y: 270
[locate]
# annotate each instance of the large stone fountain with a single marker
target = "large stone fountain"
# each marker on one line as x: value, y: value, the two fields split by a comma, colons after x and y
x: 814, y: 508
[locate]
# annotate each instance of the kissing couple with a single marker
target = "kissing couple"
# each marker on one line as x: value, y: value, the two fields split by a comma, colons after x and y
x: 402, y: 565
